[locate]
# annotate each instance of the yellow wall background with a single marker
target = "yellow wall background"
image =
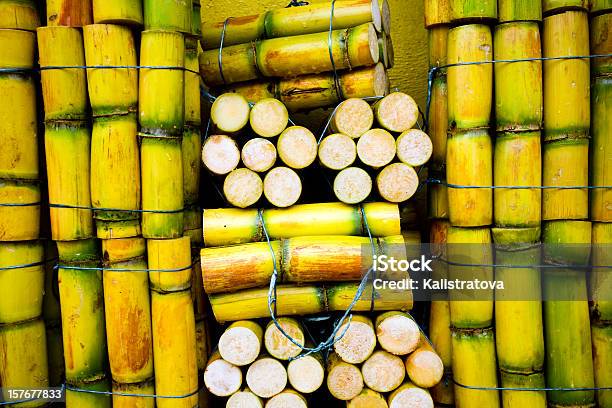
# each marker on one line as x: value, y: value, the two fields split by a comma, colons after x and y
x: 407, y: 31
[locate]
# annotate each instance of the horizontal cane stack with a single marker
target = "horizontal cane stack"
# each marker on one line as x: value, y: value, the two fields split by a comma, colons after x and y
x: 24, y: 362
x: 354, y: 153
x: 601, y: 208
x: 291, y: 53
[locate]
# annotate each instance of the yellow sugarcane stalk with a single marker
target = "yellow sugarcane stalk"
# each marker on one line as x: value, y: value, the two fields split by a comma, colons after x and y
x: 76, y: 399
x: 437, y: 12
x: 536, y: 399
x: 461, y: 10
x: 143, y: 388
x: 117, y: 12
x: 19, y: 223
x: 19, y: 15
x: 519, y: 10
x: 601, y: 153
x: 169, y: 15
x: 600, y: 282
x: 169, y: 254
x: 555, y: 6
x: 71, y: 13
x: 601, y: 335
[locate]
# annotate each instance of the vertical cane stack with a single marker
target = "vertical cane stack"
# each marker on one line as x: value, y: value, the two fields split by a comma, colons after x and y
x: 162, y: 117
x: 569, y: 361
x: 518, y: 163
x: 469, y: 164
x: 601, y: 199
x: 67, y: 144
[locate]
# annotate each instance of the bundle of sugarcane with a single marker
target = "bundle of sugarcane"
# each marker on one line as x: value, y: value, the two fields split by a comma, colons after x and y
x: 566, y: 313
x: 83, y: 322
x: 350, y: 48
x: 471, y: 317
x: 69, y: 13
x: 308, y: 92
x: 227, y: 226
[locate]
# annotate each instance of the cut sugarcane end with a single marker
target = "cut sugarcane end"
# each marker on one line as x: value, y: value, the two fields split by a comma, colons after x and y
x: 398, y: 334
x: 353, y: 118
x: 242, y: 188
x: 244, y: 399
x: 306, y: 374
x: 297, y: 147
x: 376, y: 148
x: 414, y: 147
x: 424, y: 368
x: 337, y: 151
x: 344, y: 381
x: 222, y: 378
x: 259, y: 154
x: 352, y: 185
x: 385, y: 12
x: 376, y: 15
x: 397, y: 112
x: 266, y: 377
x: 282, y: 187
x: 410, y: 396
x: 230, y: 112
x: 383, y: 372
x: 239, y: 346
x: 280, y: 346
x: 368, y: 399
x: 358, y: 342
x: 269, y: 117
x: 287, y: 399
x: 397, y: 182
x: 220, y: 154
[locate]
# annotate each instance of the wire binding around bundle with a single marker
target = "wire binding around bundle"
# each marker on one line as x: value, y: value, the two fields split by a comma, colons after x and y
x: 459, y: 186
x: 58, y: 266
x: 58, y: 67
x: 477, y: 388
x: 435, y: 70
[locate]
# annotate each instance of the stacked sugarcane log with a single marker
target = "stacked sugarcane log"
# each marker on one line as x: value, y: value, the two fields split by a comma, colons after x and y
x: 352, y: 138
x: 601, y: 211
x: 469, y: 164
x: 312, y: 244
x: 169, y: 129
x: 566, y: 233
x: 516, y: 233
x: 288, y: 53
x: 24, y: 361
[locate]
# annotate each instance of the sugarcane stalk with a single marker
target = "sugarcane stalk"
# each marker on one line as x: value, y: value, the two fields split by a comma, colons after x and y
x: 240, y: 343
x: 518, y: 107
x: 161, y: 170
x: 344, y: 380
x: 409, y: 395
x: 196, y: 19
x: 376, y: 148
x: 118, y: 229
x: 462, y: 10
x: 436, y: 12
x: 162, y: 91
x: 469, y: 86
x: 474, y: 365
x: 253, y: 303
x: 118, y: 12
x: 142, y: 388
x: 279, y: 346
x: 358, y: 342
x: 19, y: 15
x: 71, y: 13
x: 202, y: 346
x: 414, y: 147
x: 600, y: 282
x: 352, y: 185
x: 536, y: 399
x: 192, y: 83
x: 269, y: 117
x: 230, y: 112
x: 555, y: 6
x: 353, y: 117
x: 469, y: 163
x: 601, y: 335
x: 297, y: 147
x: 397, y: 182
x: 266, y: 377
x: 519, y: 10
x: 518, y: 162
x: 287, y: 398
x: 191, y: 147
x: 94, y: 399
x: 242, y: 188
x: 21, y: 289
x: 438, y: 197
x: 601, y: 175
x: 559, y: 157
x: 600, y: 6
x: 244, y: 399
x: 220, y: 154
x: 222, y: 378
x: 383, y: 371
x: 174, y: 348
x: 67, y: 146
x: 337, y: 151
x: 566, y: 82
x: 570, y: 242
x: 438, y: 120
x: 258, y: 154
x: 169, y: 254
x: 115, y: 168
x: 128, y: 311
x: 397, y: 333
x: 396, y: 112
x: 307, y: 373
x: 168, y: 15
x: 282, y: 186
x: 368, y: 398
x: 340, y: 296
x: 24, y: 362
x: 22, y: 222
